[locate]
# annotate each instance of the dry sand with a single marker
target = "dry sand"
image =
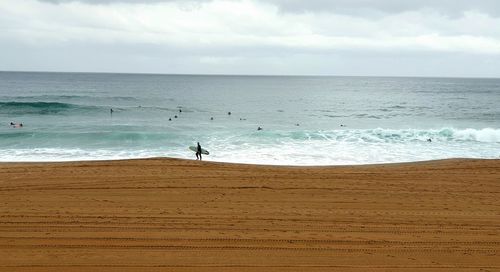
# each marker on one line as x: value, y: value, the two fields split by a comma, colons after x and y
x: 179, y: 215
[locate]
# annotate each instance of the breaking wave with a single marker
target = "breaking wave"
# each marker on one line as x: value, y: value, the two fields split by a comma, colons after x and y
x: 488, y: 135
x: 335, y: 147
x: 42, y: 108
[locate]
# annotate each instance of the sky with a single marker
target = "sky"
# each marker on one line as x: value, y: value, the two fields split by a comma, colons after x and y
x: 449, y: 38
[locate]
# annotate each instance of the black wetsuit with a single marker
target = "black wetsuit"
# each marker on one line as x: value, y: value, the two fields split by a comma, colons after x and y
x: 198, y: 151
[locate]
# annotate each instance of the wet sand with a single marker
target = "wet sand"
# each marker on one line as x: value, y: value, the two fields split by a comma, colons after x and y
x: 180, y: 215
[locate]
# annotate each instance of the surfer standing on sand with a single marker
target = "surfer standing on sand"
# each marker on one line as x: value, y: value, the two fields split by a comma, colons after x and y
x: 198, y: 152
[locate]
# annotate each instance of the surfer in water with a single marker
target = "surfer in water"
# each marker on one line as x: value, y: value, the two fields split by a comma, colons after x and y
x: 14, y: 125
x: 198, y: 152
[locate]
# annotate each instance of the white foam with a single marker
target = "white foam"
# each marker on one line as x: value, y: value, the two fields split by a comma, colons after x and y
x: 336, y: 147
x: 358, y: 147
x: 487, y: 135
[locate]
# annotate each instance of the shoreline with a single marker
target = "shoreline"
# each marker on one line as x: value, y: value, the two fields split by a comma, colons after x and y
x: 164, y: 214
x: 249, y: 164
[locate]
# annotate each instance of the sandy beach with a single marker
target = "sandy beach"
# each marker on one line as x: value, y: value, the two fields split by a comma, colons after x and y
x: 181, y: 215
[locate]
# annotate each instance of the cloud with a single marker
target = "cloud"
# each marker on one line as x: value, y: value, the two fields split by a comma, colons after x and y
x: 350, y: 7
x: 225, y: 33
x: 139, y: 2
x: 384, y: 7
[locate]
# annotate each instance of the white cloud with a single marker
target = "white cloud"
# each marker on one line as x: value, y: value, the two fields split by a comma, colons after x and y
x: 230, y: 31
x: 351, y: 7
x: 364, y: 8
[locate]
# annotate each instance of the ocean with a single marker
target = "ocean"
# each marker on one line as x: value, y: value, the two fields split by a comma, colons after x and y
x: 305, y: 120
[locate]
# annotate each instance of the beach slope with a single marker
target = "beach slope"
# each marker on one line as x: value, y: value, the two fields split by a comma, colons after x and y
x: 180, y: 215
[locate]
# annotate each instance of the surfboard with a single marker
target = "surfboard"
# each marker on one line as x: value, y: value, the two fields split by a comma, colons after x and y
x: 203, y: 151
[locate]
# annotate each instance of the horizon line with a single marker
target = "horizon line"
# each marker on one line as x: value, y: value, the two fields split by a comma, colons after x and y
x: 243, y: 75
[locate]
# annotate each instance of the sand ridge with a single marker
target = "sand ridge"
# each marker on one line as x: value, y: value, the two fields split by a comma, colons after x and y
x: 181, y: 215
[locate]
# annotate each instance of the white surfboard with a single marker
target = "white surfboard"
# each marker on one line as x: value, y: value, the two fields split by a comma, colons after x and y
x: 203, y: 151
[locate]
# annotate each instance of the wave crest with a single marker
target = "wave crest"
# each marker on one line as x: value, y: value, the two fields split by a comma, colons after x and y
x: 378, y: 135
x: 15, y: 107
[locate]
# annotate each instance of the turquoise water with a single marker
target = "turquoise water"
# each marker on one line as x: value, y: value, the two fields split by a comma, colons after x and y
x: 305, y: 120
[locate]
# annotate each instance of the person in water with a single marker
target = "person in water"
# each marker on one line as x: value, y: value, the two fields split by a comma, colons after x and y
x: 20, y: 125
x: 198, y: 152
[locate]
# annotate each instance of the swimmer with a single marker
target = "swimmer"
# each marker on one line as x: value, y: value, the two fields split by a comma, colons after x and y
x: 429, y: 140
x: 12, y: 124
x: 228, y: 113
x: 169, y: 119
x: 175, y: 116
x: 259, y: 128
x: 180, y: 110
x: 211, y: 118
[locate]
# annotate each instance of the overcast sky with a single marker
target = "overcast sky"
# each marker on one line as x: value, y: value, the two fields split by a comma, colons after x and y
x: 312, y: 37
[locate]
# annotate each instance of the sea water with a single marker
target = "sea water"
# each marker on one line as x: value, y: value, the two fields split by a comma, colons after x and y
x: 305, y: 120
